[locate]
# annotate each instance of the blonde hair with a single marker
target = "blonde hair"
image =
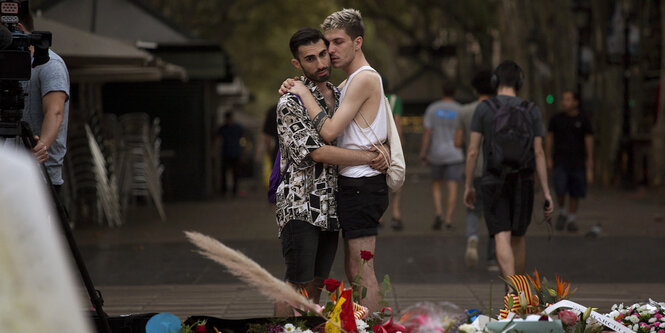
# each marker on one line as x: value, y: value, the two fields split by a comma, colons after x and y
x: 348, y: 19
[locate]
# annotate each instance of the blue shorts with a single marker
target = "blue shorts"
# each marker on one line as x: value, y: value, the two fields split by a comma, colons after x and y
x: 569, y: 181
x: 447, y: 171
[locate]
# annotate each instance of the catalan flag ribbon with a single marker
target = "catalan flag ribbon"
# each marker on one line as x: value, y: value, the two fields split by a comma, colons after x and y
x: 524, y: 298
x: 342, y: 314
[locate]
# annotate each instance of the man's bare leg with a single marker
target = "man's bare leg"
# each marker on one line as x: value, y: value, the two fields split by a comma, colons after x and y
x: 451, y: 200
x: 436, y: 197
x: 353, y: 266
x: 504, y: 253
x: 518, y: 245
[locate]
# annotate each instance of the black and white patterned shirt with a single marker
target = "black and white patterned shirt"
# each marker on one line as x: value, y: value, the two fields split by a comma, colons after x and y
x: 307, y: 191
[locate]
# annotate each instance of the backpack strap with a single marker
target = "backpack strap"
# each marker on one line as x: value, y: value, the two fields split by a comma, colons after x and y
x: 493, y: 102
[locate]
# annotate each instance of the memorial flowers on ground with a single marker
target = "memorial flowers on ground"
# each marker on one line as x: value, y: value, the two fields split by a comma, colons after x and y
x: 538, y: 303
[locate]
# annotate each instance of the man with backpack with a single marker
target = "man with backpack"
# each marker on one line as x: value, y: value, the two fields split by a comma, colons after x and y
x: 511, y: 132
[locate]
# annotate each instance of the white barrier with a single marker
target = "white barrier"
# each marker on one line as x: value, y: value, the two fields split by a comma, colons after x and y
x: 37, y: 286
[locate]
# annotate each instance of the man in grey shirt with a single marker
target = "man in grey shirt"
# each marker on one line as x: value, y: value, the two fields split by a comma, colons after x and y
x: 47, y: 107
x: 439, y: 152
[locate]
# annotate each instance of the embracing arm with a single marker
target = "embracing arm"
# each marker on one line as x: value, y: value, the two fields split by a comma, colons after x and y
x: 341, y: 156
x: 330, y: 127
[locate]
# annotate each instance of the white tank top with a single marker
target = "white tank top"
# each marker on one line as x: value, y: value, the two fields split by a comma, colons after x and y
x: 354, y: 137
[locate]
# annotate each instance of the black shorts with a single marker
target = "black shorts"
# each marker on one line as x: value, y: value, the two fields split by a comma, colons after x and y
x: 508, y: 206
x: 571, y: 181
x: 360, y: 204
x: 308, y: 251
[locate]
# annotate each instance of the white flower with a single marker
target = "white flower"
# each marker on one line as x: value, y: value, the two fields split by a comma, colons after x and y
x: 361, y: 325
x: 466, y: 328
x: 289, y: 328
x: 307, y: 331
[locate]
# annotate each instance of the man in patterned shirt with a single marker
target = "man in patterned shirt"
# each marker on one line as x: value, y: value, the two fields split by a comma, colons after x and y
x: 306, y: 209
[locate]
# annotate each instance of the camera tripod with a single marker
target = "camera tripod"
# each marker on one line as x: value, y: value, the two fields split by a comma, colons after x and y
x: 21, y: 133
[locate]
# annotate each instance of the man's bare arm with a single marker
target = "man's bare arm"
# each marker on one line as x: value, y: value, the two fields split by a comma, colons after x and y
x: 549, y: 143
x: 541, y: 172
x: 588, y: 143
x: 459, y: 138
x: 361, y: 88
x: 53, y: 106
x: 470, y: 168
x: 424, y: 144
x: 341, y: 156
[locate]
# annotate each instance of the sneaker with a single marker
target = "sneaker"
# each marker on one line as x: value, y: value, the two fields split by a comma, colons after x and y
x: 396, y: 224
x: 492, y: 266
x: 449, y: 226
x: 471, y: 256
x: 572, y: 226
x: 438, y: 221
x: 594, y: 232
x: 560, y: 222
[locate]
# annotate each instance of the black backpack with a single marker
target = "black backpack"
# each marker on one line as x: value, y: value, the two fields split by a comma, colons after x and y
x: 510, y: 139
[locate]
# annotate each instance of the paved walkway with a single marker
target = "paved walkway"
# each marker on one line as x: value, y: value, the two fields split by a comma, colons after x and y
x: 147, y: 265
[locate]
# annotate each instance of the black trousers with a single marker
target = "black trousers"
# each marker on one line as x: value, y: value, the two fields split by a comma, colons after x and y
x: 233, y: 165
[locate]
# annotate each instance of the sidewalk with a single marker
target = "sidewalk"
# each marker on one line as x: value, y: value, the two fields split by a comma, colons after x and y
x: 147, y: 265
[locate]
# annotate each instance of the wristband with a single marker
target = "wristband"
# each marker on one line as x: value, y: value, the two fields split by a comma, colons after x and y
x: 319, y: 120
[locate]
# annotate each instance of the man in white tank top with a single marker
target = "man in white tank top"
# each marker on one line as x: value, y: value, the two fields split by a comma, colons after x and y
x: 358, y: 123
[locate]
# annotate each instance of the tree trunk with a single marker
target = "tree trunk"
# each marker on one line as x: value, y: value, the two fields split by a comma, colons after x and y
x: 658, y: 132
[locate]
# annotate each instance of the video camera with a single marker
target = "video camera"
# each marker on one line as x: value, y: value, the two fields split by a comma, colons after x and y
x: 15, y: 57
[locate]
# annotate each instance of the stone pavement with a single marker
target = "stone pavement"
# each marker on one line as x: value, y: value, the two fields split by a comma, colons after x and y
x: 147, y: 265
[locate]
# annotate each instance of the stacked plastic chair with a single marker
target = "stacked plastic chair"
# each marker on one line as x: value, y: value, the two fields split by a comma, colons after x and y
x: 140, y: 171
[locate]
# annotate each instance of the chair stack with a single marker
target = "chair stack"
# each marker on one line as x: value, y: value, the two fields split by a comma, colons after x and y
x: 140, y: 172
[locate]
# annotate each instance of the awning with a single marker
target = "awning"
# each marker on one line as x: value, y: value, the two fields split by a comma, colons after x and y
x: 90, y: 57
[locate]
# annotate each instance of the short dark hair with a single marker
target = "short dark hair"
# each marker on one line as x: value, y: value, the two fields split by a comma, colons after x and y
x: 576, y: 95
x: 25, y: 16
x: 509, y: 74
x: 448, y: 89
x: 305, y: 36
x: 482, y: 82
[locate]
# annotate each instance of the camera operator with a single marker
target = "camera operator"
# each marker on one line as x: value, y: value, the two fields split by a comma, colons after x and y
x: 47, y: 107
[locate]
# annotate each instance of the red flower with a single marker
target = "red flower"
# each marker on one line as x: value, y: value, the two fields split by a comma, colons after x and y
x: 366, y: 255
x: 200, y: 329
x: 331, y: 285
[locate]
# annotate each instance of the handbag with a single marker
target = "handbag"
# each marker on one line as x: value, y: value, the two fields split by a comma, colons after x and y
x: 396, y: 172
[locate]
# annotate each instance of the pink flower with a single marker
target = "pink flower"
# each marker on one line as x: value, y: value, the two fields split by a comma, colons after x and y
x: 661, y: 331
x: 366, y: 255
x: 568, y: 318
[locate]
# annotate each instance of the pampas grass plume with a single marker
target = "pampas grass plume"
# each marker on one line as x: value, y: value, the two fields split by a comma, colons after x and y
x: 249, y: 271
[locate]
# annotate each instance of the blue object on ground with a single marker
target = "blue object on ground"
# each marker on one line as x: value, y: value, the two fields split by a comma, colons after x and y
x: 163, y: 323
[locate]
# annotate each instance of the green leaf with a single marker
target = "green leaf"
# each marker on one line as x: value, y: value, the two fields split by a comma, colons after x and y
x: 364, y: 293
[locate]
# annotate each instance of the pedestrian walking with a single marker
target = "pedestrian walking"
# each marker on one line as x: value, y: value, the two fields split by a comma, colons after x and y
x: 511, y: 132
x: 438, y: 151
